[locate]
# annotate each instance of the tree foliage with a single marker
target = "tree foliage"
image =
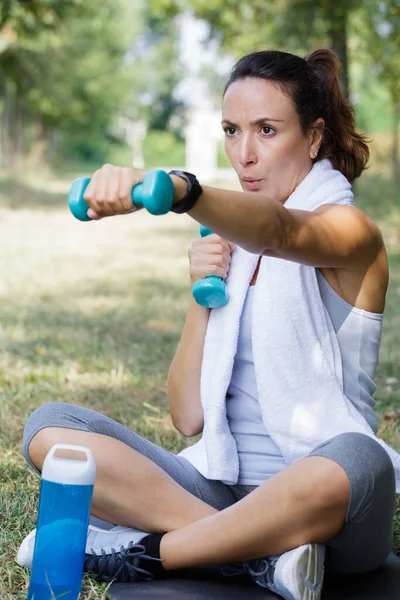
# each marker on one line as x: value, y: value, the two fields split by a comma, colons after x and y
x: 383, y: 42
x: 29, y: 16
x: 383, y: 39
x: 292, y: 25
x: 71, y: 67
x: 65, y: 76
x: 156, y: 71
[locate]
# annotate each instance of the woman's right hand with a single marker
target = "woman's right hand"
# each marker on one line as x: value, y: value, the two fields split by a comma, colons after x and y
x: 110, y: 191
x: 210, y: 255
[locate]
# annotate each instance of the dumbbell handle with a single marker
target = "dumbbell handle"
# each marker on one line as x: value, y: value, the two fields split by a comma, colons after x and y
x: 210, y: 291
x: 156, y: 194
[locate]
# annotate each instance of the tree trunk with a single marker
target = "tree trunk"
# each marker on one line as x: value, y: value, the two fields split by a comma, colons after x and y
x: 19, y: 134
x: 12, y: 128
x: 37, y: 154
x: 395, y: 147
x: 5, y: 125
x: 337, y: 14
x: 13, y: 133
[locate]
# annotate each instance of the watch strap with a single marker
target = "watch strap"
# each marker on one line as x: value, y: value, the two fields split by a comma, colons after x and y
x: 194, y: 190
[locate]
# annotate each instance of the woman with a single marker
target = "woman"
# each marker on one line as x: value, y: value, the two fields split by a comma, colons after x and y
x: 289, y: 466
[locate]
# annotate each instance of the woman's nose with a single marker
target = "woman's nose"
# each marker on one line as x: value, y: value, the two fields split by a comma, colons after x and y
x: 247, y: 153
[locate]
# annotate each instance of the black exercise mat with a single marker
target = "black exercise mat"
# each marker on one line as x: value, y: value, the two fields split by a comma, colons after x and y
x: 209, y: 584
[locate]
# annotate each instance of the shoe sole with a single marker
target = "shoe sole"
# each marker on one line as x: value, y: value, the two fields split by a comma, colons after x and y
x: 25, y: 555
x: 300, y: 575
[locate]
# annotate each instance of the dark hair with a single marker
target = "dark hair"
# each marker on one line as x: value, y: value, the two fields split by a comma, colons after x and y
x: 313, y: 83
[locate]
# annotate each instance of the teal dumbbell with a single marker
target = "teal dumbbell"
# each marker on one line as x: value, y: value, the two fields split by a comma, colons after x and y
x: 156, y: 194
x: 210, y: 291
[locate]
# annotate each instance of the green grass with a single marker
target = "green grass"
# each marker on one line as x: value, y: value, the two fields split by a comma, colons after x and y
x: 92, y: 314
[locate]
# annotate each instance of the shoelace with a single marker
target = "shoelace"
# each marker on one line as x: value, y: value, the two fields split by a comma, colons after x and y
x: 122, y: 564
x: 263, y: 571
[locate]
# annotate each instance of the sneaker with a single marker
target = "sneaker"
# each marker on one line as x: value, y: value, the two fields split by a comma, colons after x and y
x: 295, y: 575
x: 25, y: 551
x: 109, y: 554
x: 116, y: 555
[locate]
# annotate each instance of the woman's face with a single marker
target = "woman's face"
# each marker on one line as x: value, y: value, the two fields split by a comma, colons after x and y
x: 263, y: 138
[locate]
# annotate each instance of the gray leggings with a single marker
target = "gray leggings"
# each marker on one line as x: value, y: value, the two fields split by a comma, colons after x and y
x: 364, y: 541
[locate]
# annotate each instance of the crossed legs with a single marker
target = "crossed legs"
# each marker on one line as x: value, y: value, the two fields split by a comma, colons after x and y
x: 306, y: 502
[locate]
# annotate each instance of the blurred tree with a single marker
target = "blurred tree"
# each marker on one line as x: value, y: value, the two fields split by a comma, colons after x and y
x: 310, y: 23
x: 382, y: 42
x: 19, y: 21
x: 293, y: 25
x: 68, y: 74
x: 53, y: 76
x: 154, y: 58
x: 29, y: 16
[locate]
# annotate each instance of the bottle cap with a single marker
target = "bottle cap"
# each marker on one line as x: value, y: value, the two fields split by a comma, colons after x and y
x: 69, y: 470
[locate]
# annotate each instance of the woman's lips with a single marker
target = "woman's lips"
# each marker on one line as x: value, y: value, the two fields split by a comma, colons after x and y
x: 252, y: 184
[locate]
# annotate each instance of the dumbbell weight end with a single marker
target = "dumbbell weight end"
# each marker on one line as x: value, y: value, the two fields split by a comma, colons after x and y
x: 210, y: 292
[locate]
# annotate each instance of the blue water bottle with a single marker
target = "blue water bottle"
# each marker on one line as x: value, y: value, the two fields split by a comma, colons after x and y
x: 65, y: 499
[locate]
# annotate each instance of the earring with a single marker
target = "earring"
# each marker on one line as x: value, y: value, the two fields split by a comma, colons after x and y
x: 315, y: 153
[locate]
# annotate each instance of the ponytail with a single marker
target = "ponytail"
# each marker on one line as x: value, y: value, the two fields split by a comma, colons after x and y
x: 346, y: 148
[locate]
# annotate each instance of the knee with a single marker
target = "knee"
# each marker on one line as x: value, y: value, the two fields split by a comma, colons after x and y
x: 368, y: 467
x: 371, y: 459
x: 321, y: 491
x: 360, y: 453
x: 40, y: 431
x: 330, y: 486
x: 374, y: 481
x: 39, y: 446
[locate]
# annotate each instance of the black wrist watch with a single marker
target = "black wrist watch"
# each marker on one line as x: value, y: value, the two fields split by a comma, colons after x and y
x: 194, y: 190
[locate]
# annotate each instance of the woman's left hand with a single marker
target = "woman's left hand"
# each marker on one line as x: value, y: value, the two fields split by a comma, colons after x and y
x: 110, y: 191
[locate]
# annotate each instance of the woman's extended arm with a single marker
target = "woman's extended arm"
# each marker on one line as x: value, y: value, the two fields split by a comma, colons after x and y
x: 331, y: 236
x: 246, y: 218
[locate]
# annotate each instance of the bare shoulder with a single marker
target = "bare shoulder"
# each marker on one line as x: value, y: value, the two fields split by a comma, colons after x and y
x: 359, y: 232
x: 353, y: 219
x: 364, y: 281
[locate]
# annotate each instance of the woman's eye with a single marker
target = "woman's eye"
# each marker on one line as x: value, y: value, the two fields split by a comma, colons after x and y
x: 230, y: 131
x: 267, y: 130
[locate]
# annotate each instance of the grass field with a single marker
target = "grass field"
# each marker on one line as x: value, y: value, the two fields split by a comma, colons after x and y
x: 92, y: 314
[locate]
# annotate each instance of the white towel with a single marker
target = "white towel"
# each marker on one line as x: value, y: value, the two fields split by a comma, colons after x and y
x: 296, y: 355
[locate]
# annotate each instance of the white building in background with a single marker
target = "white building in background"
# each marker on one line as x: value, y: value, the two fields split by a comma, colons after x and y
x: 203, y: 133
x: 134, y: 133
x: 202, y: 137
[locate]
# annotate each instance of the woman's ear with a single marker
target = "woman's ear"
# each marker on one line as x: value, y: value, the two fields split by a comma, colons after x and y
x: 316, y: 133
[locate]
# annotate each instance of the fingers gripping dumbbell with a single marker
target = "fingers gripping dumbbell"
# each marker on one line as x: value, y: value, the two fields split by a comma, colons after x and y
x: 156, y: 194
x: 210, y: 291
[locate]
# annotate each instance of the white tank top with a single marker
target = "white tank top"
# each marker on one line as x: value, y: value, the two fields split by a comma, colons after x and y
x: 359, y: 335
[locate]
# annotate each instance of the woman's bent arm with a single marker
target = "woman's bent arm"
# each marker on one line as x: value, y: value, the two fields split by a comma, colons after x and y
x: 184, y: 374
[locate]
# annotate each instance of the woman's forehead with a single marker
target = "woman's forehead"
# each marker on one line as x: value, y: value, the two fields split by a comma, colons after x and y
x: 254, y: 95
